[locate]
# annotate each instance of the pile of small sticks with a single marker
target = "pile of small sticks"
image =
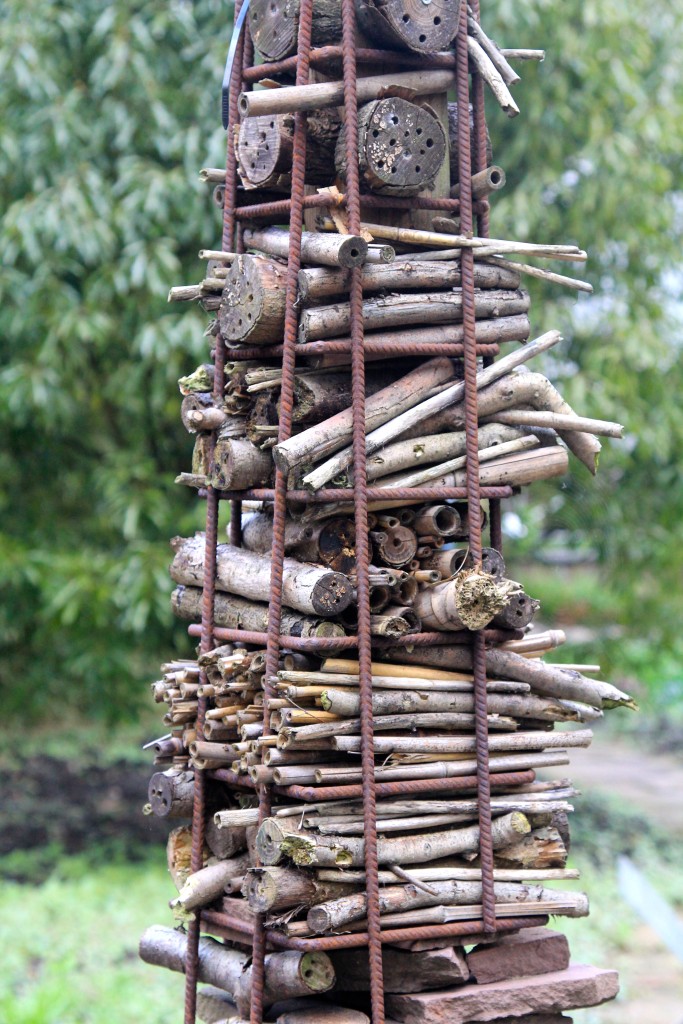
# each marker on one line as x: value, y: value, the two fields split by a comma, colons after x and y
x: 294, y: 860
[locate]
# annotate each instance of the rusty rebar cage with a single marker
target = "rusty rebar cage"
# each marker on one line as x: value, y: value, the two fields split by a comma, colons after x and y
x: 469, y: 88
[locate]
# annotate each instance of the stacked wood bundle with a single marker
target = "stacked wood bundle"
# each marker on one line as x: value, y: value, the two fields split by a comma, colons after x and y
x: 268, y: 761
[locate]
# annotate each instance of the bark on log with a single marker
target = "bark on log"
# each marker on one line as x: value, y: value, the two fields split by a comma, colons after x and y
x: 238, y: 465
x: 418, y: 275
x: 346, y: 703
x: 541, y: 849
x: 265, y: 146
x: 331, y: 94
x: 547, y: 680
x: 225, y: 842
x: 327, y: 248
x: 409, y: 24
x: 171, y: 794
x: 274, y: 843
x: 199, y: 412
x: 209, y: 883
x: 331, y: 435
x: 401, y: 147
x: 456, y: 744
x: 335, y: 914
x: 316, y: 397
x: 272, y: 889
x: 507, y: 328
x: 234, y: 612
x: 306, y: 587
x: 252, y: 309
x: 288, y: 975
x: 330, y: 543
x: 395, y: 310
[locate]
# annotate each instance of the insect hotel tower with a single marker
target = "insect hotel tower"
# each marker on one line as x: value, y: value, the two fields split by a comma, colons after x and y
x: 362, y: 745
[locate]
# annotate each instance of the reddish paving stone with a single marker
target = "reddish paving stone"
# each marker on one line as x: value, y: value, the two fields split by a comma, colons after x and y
x: 531, y: 951
x: 578, y: 986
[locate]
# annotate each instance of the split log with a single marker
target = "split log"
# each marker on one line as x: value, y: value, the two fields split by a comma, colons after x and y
x: 272, y: 889
x: 252, y: 309
x: 209, y: 883
x: 238, y: 465
x: 327, y: 437
x: 274, y: 27
x: 402, y: 970
x: 401, y: 147
x: 234, y: 612
x: 171, y: 794
x: 274, y: 843
x: 542, y: 849
x: 331, y: 94
x: 337, y: 913
x: 395, y: 310
x: 328, y: 249
x: 288, y: 975
x: 322, y: 283
x: 316, y: 397
x: 409, y: 24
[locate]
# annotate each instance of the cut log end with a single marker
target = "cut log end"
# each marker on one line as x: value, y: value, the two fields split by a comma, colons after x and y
x: 332, y: 594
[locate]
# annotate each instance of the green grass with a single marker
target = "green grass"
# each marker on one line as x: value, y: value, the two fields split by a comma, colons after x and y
x: 69, y: 947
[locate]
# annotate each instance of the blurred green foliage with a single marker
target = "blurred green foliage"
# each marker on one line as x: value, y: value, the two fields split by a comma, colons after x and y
x: 107, y: 114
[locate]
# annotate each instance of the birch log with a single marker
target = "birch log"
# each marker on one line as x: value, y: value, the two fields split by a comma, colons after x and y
x: 307, y: 588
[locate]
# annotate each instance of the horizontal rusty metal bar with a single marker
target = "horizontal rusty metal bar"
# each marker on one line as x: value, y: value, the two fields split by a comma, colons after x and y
x: 377, y: 347
x: 322, y: 55
x: 310, y: 794
x: 330, y: 495
x: 326, y: 643
x: 216, y: 921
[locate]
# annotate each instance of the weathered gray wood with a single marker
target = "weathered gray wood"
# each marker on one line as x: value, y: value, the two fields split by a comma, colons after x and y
x: 401, y: 147
x: 327, y: 437
x: 347, y: 704
x: 306, y: 849
x: 235, y: 612
x: 171, y: 794
x: 324, y: 248
x: 306, y: 587
x: 265, y: 146
x: 417, y: 275
x: 238, y: 465
x: 454, y: 150
x: 330, y: 543
x: 273, y: 889
x: 252, y: 307
x: 456, y: 744
x: 209, y: 883
x: 408, y: 310
x: 334, y: 914
x: 410, y: 24
x: 274, y: 25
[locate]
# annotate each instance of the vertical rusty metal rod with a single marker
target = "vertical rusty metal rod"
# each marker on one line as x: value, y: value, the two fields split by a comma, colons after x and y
x: 211, y: 540
x: 473, y: 485
x: 360, y: 502
x: 284, y: 431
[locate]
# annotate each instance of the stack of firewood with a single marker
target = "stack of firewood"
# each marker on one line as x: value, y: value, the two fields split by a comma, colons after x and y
x: 302, y: 867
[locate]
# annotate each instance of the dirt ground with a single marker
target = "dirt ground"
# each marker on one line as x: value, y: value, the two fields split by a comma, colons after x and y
x: 652, y: 784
